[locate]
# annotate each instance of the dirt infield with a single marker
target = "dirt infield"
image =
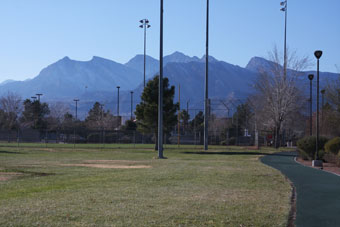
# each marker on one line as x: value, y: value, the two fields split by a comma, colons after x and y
x: 8, y: 175
x: 103, y: 166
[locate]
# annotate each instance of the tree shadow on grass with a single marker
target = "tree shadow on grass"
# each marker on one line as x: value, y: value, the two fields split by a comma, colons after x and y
x: 289, y: 154
x: 10, y: 152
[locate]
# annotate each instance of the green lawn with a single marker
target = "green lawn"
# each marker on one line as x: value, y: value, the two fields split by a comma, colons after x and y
x: 228, y: 187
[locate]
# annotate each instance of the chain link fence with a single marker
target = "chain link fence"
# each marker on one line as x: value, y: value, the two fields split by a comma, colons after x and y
x: 131, y: 139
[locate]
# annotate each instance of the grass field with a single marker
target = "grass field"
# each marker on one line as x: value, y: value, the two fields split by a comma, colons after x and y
x: 60, y: 186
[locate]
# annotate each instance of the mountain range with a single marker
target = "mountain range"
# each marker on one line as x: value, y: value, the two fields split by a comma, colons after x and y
x: 97, y: 80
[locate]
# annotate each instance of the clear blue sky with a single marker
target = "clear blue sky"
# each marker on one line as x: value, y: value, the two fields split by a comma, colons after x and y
x: 36, y: 33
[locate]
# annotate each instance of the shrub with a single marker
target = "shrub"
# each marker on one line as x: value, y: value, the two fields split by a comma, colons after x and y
x: 232, y: 141
x: 303, y: 155
x: 333, y: 146
x: 307, y: 145
x: 321, y: 154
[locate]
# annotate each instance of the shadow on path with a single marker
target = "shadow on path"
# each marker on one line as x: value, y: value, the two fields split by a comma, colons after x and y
x: 236, y: 153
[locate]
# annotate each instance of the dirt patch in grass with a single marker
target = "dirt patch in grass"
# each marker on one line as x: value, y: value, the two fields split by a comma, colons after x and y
x: 4, y: 176
x: 107, y: 166
x: 128, y: 162
x: 111, y: 164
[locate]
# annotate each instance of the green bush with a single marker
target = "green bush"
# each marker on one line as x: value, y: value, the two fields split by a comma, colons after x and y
x: 333, y: 146
x: 232, y: 141
x: 303, y: 155
x: 321, y: 154
x: 307, y: 145
x: 223, y: 142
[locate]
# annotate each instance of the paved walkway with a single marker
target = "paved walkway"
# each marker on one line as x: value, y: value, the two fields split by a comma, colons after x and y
x: 318, y: 192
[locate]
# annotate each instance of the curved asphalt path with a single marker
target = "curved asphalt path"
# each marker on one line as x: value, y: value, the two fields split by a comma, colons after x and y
x: 317, y: 192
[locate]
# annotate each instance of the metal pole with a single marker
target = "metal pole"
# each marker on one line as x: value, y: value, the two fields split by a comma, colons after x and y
x: 131, y: 103
x: 39, y: 96
x: 188, y: 106
x: 144, y: 50
x: 285, y: 44
x: 76, y: 100
x: 74, y: 131
x: 178, y: 116
x: 206, y: 136
x: 145, y: 25
x: 311, y: 109
x: 317, y: 112
x: 118, y: 102
x: 160, y: 87
x: 322, y: 106
x: 195, y: 127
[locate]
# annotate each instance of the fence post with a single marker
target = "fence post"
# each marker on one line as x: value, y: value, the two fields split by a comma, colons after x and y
x: 134, y: 139
x: 18, y: 137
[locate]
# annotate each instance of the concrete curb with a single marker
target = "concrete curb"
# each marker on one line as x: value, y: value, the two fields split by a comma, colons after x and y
x: 316, y: 168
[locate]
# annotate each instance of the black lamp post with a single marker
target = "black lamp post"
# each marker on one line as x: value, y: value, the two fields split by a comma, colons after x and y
x: 145, y: 25
x: 118, y: 102
x: 310, y: 77
x: 323, y: 91
x: 318, y: 55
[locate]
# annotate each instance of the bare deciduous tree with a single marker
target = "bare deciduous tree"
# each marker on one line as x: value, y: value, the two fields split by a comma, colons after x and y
x: 277, y: 94
x: 11, y: 104
x: 57, y: 113
x: 333, y: 91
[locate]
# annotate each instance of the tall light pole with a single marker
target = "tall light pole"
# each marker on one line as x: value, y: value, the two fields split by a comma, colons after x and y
x: 145, y: 25
x: 131, y: 103
x: 322, y: 104
x: 118, y: 102
x: 318, y: 55
x: 74, y: 129
x: 285, y: 9
x: 160, y: 86
x: 310, y: 77
x: 39, y: 96
x: 206, y: 82
x: 76, y: 100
